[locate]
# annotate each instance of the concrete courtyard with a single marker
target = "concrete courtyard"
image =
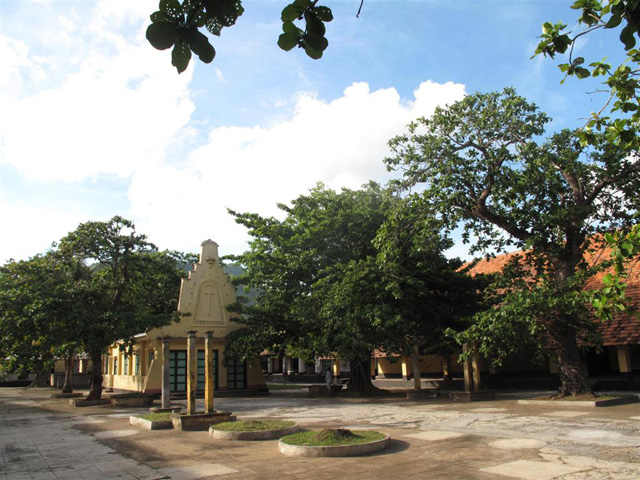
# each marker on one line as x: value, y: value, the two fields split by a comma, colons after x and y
x: 44, y: 438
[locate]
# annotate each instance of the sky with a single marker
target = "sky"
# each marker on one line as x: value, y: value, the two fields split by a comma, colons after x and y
x: 94, y: 122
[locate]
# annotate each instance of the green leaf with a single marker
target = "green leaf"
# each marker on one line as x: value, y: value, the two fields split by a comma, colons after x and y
x: 287, y: 41
x: 180, y: 56
x: 324, y: 13
x: 291, y: 13
x: 172, y: 8
x: 627, y: 37
x: 614, y: 21
x: 199, y: 44
x: 162, y: 35
x: 161, y: 17
x: 315, y: 54
x: 316, y: 43
x: 582, y: 72
x: 314, y: 24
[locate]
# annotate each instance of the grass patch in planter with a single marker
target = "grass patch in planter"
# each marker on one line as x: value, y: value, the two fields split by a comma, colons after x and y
x: 254, y: 425
x: 156, y: 417
x: 332, y: 437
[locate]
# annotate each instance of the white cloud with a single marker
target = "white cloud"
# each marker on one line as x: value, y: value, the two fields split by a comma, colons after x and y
x: 116, y: 114
x: 340, y: 143
x: 30, y: 230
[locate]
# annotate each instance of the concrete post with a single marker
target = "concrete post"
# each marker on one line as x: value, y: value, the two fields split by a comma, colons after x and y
x: 475, y: 367
x: 446, y: 367
x: 142, y: 352
x: 302, y: 368
x: 406, y: 369
x: 553, y: 361
x: 192, y: 372
x: 269, y: 365
x: 417, y: 385
x: 208, y: 373
x: 624, y: 359
x: 166, y: 380
x: 466, y: 370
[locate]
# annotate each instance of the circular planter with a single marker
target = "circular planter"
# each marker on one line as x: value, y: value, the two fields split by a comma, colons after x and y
x: 254, y: 435
x: 334, y: 451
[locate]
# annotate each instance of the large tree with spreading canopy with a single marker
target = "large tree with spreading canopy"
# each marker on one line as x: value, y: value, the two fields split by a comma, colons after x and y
x: 330, y: 281
x: 481, y: 164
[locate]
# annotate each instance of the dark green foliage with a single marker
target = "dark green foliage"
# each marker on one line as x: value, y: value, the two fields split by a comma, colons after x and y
x: 481, y: 166
x: 102, y: 283
x: 621, y: 82
x: 325, y: 287
x: 622, y: 104
x: 177, y: 24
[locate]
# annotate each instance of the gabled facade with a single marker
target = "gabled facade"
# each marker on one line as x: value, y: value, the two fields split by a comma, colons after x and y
x: 204, y: 296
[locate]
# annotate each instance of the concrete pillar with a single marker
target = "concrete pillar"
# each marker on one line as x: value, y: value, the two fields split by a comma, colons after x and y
x: 302, y: 368
x: 406, y: 368
x: 142, y: 352
x: 208, y: 373
x: 553, y: 362
x: 475, y: 367
x: 166, y: 388
x: 335, y: 365
x: 192, y: 372
x: 416, y: 370
x: 624, y: 359
x: 288, y: 365
x: 446, y: 367
x: 269, y: 365
x: 466, y: 370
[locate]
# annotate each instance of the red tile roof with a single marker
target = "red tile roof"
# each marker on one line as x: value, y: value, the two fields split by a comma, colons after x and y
x: 624, y: 329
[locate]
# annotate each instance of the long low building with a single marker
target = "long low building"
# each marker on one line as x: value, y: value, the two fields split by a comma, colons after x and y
x: 618, y: 356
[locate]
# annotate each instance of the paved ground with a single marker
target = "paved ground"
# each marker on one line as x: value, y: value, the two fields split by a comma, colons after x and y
x: 43, y: 438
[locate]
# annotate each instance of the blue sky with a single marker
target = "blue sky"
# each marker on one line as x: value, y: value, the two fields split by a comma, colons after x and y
x: 94, y: 122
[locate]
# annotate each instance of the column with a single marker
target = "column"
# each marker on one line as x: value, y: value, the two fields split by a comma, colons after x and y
x: 208, y: 372
x: 302, y: 368
x: 466, y: 370
x: 374, y: 360
x: 475, y: 367
x: 624, y: 359
x: 417, y: 385
x: 406, y: 369
x: 335, y: 365
x: 269, y: 365
x: 166, y: 388
x: 553, y: 362
x: 143, y: 359
x: 192, y: 372
x: 446, y: 367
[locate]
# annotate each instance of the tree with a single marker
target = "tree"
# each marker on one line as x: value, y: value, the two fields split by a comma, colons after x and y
x: 480, y: 165
x: 324, y: 288
x: 621, y: 85
x: 177, y: 24
x: 36, y: 314
x: 123, y: 287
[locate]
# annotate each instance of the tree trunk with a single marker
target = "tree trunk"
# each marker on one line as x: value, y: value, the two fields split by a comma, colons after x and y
x: 360, y: 380
x: 68, y: 373
x: 574, y: 377
x: 43, y: 371
x: 95, y: 392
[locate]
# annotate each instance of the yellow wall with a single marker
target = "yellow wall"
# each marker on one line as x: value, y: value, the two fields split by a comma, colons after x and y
x: 203, y: 298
